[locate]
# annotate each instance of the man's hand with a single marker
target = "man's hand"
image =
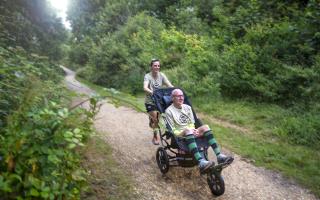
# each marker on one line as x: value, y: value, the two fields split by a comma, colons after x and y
x: 195, y: 132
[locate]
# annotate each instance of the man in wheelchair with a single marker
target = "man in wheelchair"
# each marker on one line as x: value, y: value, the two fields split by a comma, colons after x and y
x: 181, y: 120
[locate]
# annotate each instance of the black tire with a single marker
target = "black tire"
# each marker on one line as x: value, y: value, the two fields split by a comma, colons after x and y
x: 216, y: 183
x: 162, y: 160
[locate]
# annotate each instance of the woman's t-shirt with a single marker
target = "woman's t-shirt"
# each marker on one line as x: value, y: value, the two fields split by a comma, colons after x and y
x: 154, y: 83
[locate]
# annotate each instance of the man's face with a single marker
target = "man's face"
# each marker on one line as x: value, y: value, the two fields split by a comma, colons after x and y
x: 155, y: 66
x: 177, y: 98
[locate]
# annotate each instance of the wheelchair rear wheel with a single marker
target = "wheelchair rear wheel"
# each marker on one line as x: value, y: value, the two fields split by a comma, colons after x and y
x: 162, y: 160
x: 216, y: 183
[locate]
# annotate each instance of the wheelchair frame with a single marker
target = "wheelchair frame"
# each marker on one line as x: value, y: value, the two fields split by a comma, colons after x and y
x: 178, y: 156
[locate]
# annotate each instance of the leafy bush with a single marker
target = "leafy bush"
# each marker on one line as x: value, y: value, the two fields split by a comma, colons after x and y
x: 122, y: 58
x: 38, y: 147
x: 37, y: 135
x: 194, y: 63
x: 80, y: 51
x: 16, y: 69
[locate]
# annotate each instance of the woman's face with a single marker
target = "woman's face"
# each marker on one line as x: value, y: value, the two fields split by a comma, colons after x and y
x: 155, y: 66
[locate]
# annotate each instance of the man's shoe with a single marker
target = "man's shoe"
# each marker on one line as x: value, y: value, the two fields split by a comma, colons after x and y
x: 223, y: 158
x: 204, y: 165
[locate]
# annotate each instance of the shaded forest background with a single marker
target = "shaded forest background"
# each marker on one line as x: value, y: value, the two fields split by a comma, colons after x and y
x: 257, y: 51
x: 38, y: 134
x: 264, y: 52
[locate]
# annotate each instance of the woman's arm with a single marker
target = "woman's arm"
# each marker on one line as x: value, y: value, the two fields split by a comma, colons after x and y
x: 146, y: 89
x: 166, y: 81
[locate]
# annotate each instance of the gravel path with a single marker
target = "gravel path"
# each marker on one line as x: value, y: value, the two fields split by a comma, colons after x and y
x: 127, y: 131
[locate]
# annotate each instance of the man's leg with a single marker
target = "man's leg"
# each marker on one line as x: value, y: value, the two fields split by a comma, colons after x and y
x: 193, y: 148
x: 207, y: 133
x: 212, y: 142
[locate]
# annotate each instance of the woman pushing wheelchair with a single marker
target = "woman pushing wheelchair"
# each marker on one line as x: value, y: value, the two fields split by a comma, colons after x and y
x: 152, y: 81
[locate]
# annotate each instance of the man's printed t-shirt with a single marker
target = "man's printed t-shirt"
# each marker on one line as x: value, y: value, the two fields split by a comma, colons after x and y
x: 180, y: 119
x: 154, y: 83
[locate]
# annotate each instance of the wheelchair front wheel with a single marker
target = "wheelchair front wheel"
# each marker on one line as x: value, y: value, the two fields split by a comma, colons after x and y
x: 216, y: 183
x: 162, y: 160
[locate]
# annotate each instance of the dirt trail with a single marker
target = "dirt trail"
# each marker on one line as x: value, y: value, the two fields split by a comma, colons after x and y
x: 127, y: 131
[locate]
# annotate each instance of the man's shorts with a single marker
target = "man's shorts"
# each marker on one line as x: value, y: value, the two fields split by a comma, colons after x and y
x: 150, y: 107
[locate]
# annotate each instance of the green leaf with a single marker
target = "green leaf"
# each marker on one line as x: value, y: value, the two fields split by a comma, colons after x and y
x: 34, y: 192
x: 15, y: 176
x: 68, y: 134
x: 54, y: 159
x: 44, y: 194
x: 78, y: 175
x: 34, y: 182
x: 61, y: 113
x: 76, y: 130
x: 78, y: 136
x: 72, y: 145
x: 75, y: 140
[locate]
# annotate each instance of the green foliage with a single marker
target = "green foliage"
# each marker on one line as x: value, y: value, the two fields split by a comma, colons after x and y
x: 32, y: 25
x: 37, y: 135
x: 17, y: 70
x: 193, y: 63
x: 120, y: 60
x: 78, y: 54
x: 254, y: 50
x: 39, y: 152
x: 82, y: 15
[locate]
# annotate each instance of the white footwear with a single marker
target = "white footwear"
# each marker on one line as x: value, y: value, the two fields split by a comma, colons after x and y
x: 221, y: 158
x: 204, y: 165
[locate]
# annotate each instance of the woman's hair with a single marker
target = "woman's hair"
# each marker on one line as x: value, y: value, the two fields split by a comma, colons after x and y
x: 154, y: 60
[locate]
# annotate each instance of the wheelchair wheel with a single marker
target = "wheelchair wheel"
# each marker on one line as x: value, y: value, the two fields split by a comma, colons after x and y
x: 162, y: 160
x: 216, y: 183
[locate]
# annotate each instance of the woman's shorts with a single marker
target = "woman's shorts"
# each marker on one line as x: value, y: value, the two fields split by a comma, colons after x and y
x: 150, y: 107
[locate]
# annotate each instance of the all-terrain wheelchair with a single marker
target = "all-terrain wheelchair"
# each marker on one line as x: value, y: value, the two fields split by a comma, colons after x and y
x: 174, y: 151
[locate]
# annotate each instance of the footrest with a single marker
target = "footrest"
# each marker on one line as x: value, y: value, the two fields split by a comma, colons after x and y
x: 219, y: 167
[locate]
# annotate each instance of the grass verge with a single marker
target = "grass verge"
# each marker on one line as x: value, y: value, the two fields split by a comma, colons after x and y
x: 117, y: 97
x: 260, y: 118
x: 296, y: 162
x: 263, y: 145
x: 106, y: 179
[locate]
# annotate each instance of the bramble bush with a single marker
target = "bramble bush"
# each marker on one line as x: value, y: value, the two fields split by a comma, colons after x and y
x: 16, y: 69
x: 38, y: 147
x: 38, y: 136
x: 39, y: 154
